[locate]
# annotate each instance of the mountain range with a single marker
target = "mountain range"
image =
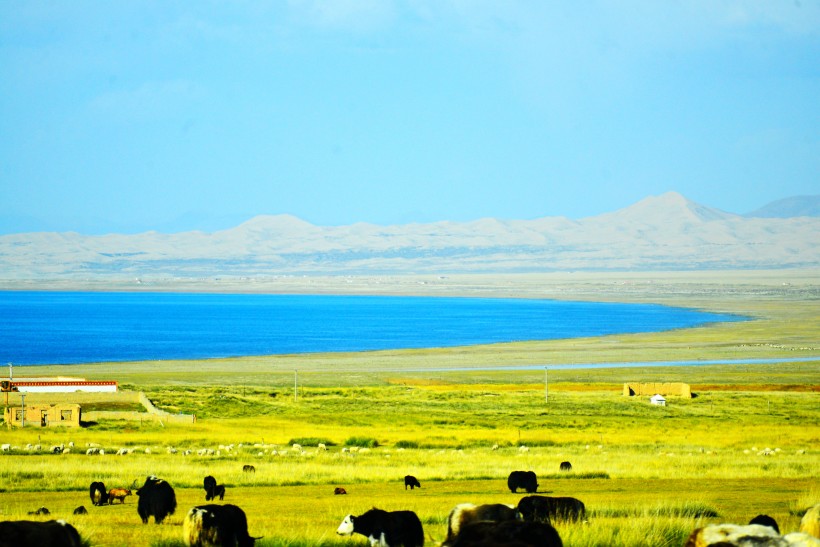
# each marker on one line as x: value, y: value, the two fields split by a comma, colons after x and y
x: 666, y: 232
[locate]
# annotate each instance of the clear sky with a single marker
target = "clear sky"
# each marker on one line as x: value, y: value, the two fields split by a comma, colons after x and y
x: 127, y: 116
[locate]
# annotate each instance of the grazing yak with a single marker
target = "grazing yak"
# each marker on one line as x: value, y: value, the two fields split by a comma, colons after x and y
x: 28, y: 533
x: 386, y: 529
x: 209, y: 483
x: 118, y: 494
x: 40, y: 511
x: 508, y: 533
x: 339, y: 490
x: 565, y: 466
x: 550, y: 509
x: 411, y: 481
x: 216, y: 526
x: 218, y: 490
x: 248, y: 468
x: 766, y: 520
x: 466, y: 513
x: 523, y: 479
x: 81, y: 510
x: 157, y: 499
x: 735, y: 535
x: 212, y: 490
x: 98, y: 493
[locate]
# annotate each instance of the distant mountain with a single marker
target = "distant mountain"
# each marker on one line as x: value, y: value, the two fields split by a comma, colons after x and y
x: 798, y: 206
x: 667, y: 232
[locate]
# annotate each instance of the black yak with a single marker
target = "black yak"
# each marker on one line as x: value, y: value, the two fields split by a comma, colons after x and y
x: 98, y: 493
x: 27, y: 533
x: 549, y: 509
x: 386, y: 529
x: 523, y: 479
x: 157, y: 499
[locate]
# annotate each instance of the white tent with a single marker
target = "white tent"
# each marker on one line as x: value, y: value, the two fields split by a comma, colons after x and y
x: 658, y: 399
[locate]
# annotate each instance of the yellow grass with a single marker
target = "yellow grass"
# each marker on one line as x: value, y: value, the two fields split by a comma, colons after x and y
x: 640, y: 470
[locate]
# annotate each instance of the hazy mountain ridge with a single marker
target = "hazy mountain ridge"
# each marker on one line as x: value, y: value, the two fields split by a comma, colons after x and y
x: 666, y: 232
x: 797, y: 206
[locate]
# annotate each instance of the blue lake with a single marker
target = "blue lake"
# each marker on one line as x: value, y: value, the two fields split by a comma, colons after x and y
x: 88, y: 327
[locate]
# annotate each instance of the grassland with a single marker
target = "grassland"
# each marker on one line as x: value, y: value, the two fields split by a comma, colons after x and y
x: 647, y: 474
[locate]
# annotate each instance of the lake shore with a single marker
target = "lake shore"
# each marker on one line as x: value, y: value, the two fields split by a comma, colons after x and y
x: 602, y: 286
x: 783, y: 305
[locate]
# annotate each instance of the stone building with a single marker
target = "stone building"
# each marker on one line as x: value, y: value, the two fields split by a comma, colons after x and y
x: 44, y: 415
x: 658, y: 388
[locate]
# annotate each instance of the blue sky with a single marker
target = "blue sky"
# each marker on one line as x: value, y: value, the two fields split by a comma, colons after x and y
x: 130, y: 116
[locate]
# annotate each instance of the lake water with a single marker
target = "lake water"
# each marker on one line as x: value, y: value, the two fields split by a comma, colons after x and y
x: 82, y: 327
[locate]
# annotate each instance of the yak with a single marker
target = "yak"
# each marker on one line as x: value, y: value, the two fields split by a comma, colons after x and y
x: 98, y: 493
x: 508, y: 533
x: 28, y: 533
x: 385, y: 528
x: 523, y: 479
x: 465, y: 513
x: 216, y: 526
x: 549, y: 509
x: 157, y: 499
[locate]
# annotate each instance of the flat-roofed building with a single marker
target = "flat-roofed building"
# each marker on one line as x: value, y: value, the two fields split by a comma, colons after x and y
x: 44, y: 415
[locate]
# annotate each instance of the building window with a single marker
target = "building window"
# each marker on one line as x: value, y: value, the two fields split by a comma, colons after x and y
x: 18, y: 415
x: 65, y: 415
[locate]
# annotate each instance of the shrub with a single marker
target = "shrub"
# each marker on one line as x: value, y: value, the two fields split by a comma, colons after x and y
x: 362, y: 442
x: 406, y: 444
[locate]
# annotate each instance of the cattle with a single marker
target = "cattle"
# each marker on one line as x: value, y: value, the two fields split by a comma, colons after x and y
x: 212, y: 490
x: 551, y: 509
x: 766, y: 520
x: 735, y: 535
x: 411, y: 481
x: 508, y: 533
x: 218, y: 490
x: 157, y: 499
x: 118, y: 494
x: 248, y: 468
x: 98, y: 493
x: 81, y: 510
x: 339, y: 491
x: 40, y: 511
x: 810, y: 523
x: 216, y: 526
x: 385, y: 528
x: 466, y: 513
x: 27, y: 533
x: 565, y: 466
x: 523, y: 479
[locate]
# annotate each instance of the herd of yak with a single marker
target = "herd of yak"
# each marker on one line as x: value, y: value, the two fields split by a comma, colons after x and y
x: 528, y: 524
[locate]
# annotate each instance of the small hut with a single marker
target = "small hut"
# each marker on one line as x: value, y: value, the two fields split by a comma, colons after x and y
x: 44, y: 415
x: 658, y: 399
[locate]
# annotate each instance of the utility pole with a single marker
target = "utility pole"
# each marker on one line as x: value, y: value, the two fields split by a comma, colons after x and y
x: 23, y: 419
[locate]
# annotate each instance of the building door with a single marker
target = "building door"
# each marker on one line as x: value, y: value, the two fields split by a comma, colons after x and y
x: 44, y: 418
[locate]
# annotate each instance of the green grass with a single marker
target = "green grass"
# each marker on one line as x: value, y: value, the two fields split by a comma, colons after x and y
x: 648, y: 475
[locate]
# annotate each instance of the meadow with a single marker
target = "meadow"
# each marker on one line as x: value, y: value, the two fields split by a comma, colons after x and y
x: 456, y: 418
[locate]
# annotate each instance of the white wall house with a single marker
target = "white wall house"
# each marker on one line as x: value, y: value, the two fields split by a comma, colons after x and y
x: 61, y: 385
